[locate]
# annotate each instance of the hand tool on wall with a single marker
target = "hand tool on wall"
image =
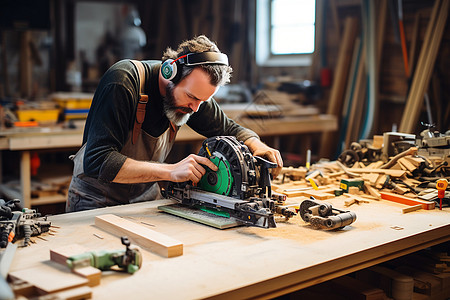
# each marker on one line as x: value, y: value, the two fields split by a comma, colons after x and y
x: 128, y: 260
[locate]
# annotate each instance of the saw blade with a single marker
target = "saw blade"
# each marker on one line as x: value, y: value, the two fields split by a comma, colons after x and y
x: 219, y: 182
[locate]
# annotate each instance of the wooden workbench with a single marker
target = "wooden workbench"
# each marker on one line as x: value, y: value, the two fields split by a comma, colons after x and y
x: 244, y: 262
x: 26, y: 140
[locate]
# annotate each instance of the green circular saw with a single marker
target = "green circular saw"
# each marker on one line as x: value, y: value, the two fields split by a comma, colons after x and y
x: 220, y: 181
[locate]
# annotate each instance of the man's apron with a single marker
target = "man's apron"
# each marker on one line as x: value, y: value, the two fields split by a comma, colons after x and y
x: 88, y: 193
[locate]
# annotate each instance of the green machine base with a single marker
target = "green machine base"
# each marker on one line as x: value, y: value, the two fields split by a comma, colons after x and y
x: 199, y: 216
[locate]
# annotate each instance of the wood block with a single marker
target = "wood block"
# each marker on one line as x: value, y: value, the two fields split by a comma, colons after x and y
x: 407, y: 164
x: 349, y: 201
x: 414, y: 160
x: 375, y: 165
x: 316, y: 194
x: 372, y: 191
x: 275, y: 187
x: 353, y: 190
x: 378, y: 141
x: 336, y: 174
x: 142, y: 236
x: 93, y: 275
x: 50, y: 278
x: 397, y: 166
x: 371, y: 178
x: 61, y: 254
x: 293, y: 192
x: 313, y: 174
x: 80, y: 293
x: 411, y: 208
x: 380, y: 181
x: 22, y: 288
x: 428, y: 205
x: 392, y: 173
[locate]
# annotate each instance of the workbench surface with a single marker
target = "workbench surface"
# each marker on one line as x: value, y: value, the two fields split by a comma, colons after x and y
x: 244, y: 262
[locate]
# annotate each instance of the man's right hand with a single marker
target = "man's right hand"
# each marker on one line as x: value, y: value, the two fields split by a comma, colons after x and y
x: 191, y: 168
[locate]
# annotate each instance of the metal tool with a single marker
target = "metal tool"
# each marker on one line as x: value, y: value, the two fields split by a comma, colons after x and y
x: 322, y: 215
x: 15, y: 225
x: 240, y: 187
x: 128, y: 260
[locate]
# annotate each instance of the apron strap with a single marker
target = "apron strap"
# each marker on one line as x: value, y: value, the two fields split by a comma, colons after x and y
x: 140, y: 116
x: 140, y: 111
x: 173, y: 131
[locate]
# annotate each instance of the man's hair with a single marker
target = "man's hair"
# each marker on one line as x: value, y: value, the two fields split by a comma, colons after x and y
x: 219, y: 74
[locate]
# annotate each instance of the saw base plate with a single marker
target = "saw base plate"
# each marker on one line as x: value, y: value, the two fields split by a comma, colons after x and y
x: 199, y: 216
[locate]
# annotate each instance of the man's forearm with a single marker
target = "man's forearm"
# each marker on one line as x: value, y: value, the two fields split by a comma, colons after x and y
x: 134, y: 171
x: 191, y: 168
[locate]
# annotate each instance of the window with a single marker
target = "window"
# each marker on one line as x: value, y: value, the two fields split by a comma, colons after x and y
x: 285, y: 32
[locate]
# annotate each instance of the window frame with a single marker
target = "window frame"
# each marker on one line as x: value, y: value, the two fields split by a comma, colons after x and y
x: 264, y: 57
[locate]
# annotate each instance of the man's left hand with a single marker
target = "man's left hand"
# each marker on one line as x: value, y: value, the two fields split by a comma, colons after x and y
x: 258, y: 148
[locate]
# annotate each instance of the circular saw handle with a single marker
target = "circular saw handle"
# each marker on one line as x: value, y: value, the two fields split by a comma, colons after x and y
x: 264, y: 180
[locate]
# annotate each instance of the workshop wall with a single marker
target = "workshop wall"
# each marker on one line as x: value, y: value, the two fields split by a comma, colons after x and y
x: 231, y: 24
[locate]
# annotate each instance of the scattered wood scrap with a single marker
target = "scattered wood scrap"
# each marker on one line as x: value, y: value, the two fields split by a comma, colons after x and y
x: 388, y: 181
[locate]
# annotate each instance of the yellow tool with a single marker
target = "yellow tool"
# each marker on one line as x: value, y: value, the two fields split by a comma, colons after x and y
x: 441, y: 186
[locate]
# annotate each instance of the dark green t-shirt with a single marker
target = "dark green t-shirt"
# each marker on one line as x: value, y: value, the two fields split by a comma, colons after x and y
x: 112, y: 113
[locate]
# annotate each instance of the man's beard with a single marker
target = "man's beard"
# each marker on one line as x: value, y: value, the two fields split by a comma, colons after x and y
x: 170, y: 109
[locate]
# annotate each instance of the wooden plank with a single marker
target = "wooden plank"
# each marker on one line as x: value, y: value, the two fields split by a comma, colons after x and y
x: 142, y: 236
x: 413, y: 46
x: 50, y: 278
x: 425, y: 68
x: 371, y: 178
x: 79, y: 293
x: 374, y: 192
x: 393, y: 173
x: 427, y: 205
x: 308, y: 193
x: 60, y: 255
x: 357, y: 101
x: 407, y: 164
x: 411, y: 208
x: 328, y: 140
